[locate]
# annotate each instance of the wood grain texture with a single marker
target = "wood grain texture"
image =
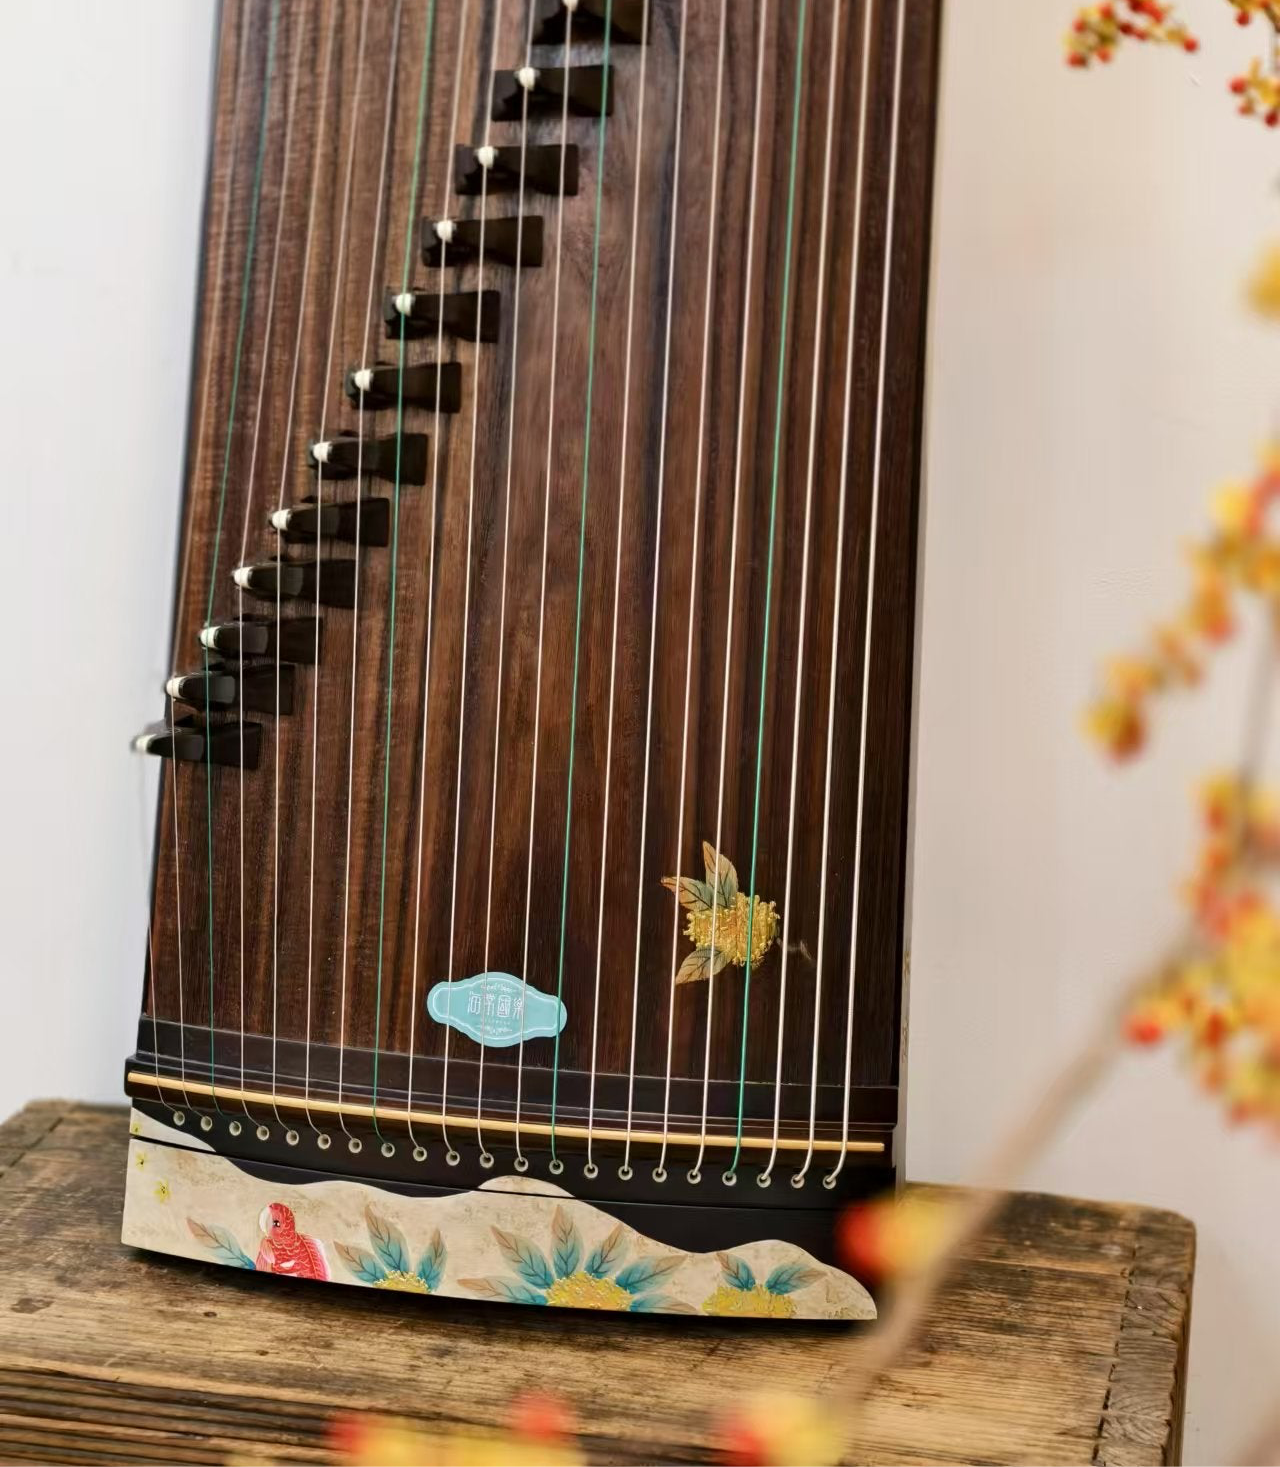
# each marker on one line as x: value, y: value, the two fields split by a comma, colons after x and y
x: 1061, y: 1339
x: 466, y: 634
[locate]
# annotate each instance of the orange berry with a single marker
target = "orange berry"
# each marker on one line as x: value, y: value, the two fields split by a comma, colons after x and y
x: 542, y: 1416
x: 1143, y: 1029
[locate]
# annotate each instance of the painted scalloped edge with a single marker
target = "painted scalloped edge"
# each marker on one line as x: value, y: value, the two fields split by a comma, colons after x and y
x: 514, y: 1240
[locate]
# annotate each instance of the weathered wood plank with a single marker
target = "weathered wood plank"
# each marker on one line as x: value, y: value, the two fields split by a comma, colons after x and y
x: 1060, y: 1340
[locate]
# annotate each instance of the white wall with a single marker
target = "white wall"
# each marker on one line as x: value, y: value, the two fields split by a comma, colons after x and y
x: 1093, y: 376
x: 103, y: 112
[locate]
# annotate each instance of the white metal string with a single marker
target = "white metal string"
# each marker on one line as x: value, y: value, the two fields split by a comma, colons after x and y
x: 695, y: 1172
x: 215, y: 313
x: 485, y: 1159
x: 590, y: 1170
x: 624, y: 1171
x: 851, y: 334
x: 660, y: 1171
x: 269, y: 322
x: 419, y: 1151
x: 815, y: 396
x: 542, y: 589
x: 886, y: 292
x: 317, y: 160
x: 324, y: 411
x: 506, y: 534
x: 354, y: 1142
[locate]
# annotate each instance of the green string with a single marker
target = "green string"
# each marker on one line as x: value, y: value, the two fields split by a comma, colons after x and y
x: 768, y: 592
x: 222, y: 490
x: 423, y: 90
x: 582, y: 546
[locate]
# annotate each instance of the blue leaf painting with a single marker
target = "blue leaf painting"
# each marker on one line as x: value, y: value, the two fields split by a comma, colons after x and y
x: 504, y: 1289
x: 788, y: 1277
x: 388, y: 1243
x: 566, y: 1244
x: 737, y: 1274
x: 431, y: 1264
x: 605, y: 1258
x: 527, y: 1260
x: 645, y: 1273
x: 363, y: 1265
x: 220, y: 1243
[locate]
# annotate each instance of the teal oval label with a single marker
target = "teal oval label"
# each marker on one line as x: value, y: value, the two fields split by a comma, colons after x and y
x: 496, y: 1009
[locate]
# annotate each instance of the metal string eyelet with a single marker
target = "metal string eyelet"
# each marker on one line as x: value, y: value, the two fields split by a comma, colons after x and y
x: 765, y: 1179
x: 179, y: 1118
x: 419, y: 1153
x: 556, y: 1167
x: 829, y: 1182
x: 730, y: 1179
x: 522, y: 1163
x: 694, y: 1176
x: 323, y: 1141
x: 263, y: 1133
x: 625, y: 1173
x: 452, y: 1157
x: 798, y: 1181
x: 292, y: 1137
x: 206, y: 1123
x: 388, y: 1149
x: 486, y: 1160
x: 354, y: 1145
x: 234, y: 1128
x: 659, y: 1174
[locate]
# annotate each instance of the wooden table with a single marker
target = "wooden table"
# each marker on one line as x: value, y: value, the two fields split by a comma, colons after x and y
x: 1061, y: 1339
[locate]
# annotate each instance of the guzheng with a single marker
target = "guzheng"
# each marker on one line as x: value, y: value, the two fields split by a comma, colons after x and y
x: 531, y: 859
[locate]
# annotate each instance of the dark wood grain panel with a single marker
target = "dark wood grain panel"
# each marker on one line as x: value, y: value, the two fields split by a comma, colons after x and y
x: 349, y: 962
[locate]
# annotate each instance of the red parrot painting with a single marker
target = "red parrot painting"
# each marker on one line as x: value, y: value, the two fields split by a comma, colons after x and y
x: 285, y: 1250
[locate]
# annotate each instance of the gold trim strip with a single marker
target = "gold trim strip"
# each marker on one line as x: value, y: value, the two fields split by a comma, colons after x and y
x: 527, y: 1128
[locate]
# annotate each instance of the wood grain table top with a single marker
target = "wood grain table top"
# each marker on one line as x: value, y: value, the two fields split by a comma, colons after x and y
x: 1060, y: 1339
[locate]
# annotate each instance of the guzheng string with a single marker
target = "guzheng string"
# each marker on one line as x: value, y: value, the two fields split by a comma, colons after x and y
x: 590, y: 1169
x: 885, y: 298
x: 486, y: 1160
x: 322, y: 1139
x: 506, y: 537
x: 246, y: 281
x: 552, y: 378
x: 353, y: 1142
x: 556, y: 1165
x: 424, y: 88
x: 764, y: 1178
x: 660, y: 1171
x: 215, y: 315
x: 269, y: 323
x: 624, y: 1171
x: 695, y: 1171
x: 850, y: 338
x: 419, y: 1151
x: 814, y: 398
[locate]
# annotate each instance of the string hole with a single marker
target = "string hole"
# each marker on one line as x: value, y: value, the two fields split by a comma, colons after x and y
x: 323, y: 1141
x: 591, y: 1171
x: 452, y: 1157
x: 522, y: 1163
x: 625, y: 1173
x: 730, y: 1179
x: 556, y: 1167
x: 179, y: 1118
x: 694, y: 1176
x: 764, y: 1179
x: 355, y: 1145
x: 798, y: 1181
x: 292, y: 1137
x: 263, y: 1133
x: 486, y: 1160
x: 829, y: 1182
x: 234, y: 1128
x: 388, y: 1149
x: 659, y: 1174
x: 419, y: 1153
x: 206, y: 1123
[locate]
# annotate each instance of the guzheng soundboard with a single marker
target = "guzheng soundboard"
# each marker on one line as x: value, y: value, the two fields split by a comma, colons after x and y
x: 531, y: 859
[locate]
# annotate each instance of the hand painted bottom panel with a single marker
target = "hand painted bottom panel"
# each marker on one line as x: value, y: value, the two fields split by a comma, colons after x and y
x: 514, y: 1240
